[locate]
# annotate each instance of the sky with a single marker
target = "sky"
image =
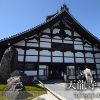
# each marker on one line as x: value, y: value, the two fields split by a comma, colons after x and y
x: 19, y: 15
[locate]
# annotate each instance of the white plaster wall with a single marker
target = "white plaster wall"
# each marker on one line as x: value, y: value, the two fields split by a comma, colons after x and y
x: 98, y: 66
x: 20, y: 51
x: 42, y: 66
x: 31, y: 52
x: 88, y: 54
x: 76, y: 34
x: 79, y: 54
x: 97, y: 60
x: 45, y: 36
x: 86, y: 48
x: 21, y: 43
x: 58, y: 59
x: 68, y: 32
x: 68, y: 53
x: 45, y: 52
x: 78, y: 39
x: 97, y: 55
x: 68, y: 60
x: 30, y: 73
x: 32, y: 40
x: 67, y: 38
x: 20, y: 58
x: 76, y: 42
x: 31, y: 58
x: 78, y: 47
x: 47, y: 30
x: 45, y: 59
x: 45, y: 39
x: 98, y: 71
x: 57, y: 53
x: 89, y: 60
x: 80, y: 60
x: 32, y: 44
x: 41, y: 72
x: 69, y: 42
x: 56, y: 37
x: 45, y: 44
x: 93, y: 72
x: 58, y: 41
x: 56, y: 31
x: 87, y: 45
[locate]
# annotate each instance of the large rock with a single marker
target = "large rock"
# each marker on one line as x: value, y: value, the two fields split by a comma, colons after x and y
x: 15, y: 88
x: 8, y: 62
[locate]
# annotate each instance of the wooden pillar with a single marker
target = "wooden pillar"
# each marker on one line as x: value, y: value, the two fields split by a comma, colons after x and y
x: 74, y: 52
x: 95, y: 62
x: 24, y: 59
x: 38, y: 57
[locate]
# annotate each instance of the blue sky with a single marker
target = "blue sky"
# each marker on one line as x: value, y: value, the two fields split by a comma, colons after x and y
x: 19, y: 15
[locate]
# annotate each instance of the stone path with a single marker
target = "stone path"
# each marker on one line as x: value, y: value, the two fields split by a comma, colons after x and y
x: 59, y: 89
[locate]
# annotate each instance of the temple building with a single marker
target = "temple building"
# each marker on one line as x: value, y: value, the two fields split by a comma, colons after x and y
x: 59, y: 46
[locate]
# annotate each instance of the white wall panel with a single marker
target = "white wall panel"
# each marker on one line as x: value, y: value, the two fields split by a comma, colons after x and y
x: 41, y: 72
x: 32, y: 40
x: 58, y: 59
x: 29, y: 73
x: 69, y: 42
x: 45, y: 44
x: 31, y: 52
x: 87, y: 45
x: 21, y: 43
x: 98, y: 66
x: 76, y: 42
x: 20, y: 58
x: 79, y: 54
x: 93, y: 72
x: 57, y: 53
x: 88, y: 54
x: 97, y: 55
x: 87, y: 48
x: 56, y: 37
x: 68, y: 53
x: 32, y: 44
x: 45, y: 59
x: 68, y: 60
x: 68, y: 32
x: 56, y: 31
x: 78, y: 47
x: 20, y: 51
x: 45, y: 36
x: 67, y: 38
x: 58, y: 41
x: 78, y: 39
x: 80, y: 60
x: 76, y: 34
x: 97, y: 60
x: 89, y: 60
x: 47, y: 30
x: 31, y: 58
x: 98, y: 71
x: 45, y: 52
x: 42, y: 66
x: 45, y: 39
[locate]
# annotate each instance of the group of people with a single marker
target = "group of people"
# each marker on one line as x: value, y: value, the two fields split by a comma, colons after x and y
x: 86, y: 74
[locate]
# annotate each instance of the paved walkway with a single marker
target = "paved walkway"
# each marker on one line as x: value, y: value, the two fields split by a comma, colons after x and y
x: 59, y: 89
